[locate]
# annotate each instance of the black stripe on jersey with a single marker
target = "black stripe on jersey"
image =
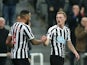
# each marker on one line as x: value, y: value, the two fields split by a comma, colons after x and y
x: 67, y: 33
x: 53, y: 29
x: 64, y: 34
x: 24, y: 52
x: 28, y: 30
x: 22, y: 46
x: 14, y: 25
x: 23, y: 40
x: 26, y: 34
x: 18, y: 40
x: 14, y: 32
x: 60, y: 32
x: 56, y: 41
x: 17, y: 45
x: 17, y: 27
x: 61, y: 48
x: 53, y: 45
x: 14, y: 29
x: 19, y: 37
x: 25, y: 48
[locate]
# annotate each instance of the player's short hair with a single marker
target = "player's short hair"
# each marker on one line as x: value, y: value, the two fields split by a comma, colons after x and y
x: 62, y: 12
x: 23, y: 13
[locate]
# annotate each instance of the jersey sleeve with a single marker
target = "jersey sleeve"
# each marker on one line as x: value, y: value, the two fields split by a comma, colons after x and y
x: 49, y: 34
x: 10, y: 32
x: 28, y: 32
x: 68, y: 35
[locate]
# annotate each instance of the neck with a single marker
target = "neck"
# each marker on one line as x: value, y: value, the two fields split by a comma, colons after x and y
x: 21, y: 20
x: 61, y: 26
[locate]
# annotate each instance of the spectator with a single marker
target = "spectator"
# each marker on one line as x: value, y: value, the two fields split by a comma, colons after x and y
x: 84, y: 4
x: 9, y: 11
x: 53, y: 7
x: 73, y: 20
x: 81, y: 39
x: 84, y: 24
x: 82, y: 11
x: 3, y: 36
x: 71, y: 3
x: 34, y: 4
x: 74, y: 2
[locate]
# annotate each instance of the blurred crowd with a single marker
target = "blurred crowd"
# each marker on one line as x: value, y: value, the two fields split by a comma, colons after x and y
x: 76, y: 16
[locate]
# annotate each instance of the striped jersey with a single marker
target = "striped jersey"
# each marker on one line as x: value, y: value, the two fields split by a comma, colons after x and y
x: 21, y: 34
x: 58, y: 37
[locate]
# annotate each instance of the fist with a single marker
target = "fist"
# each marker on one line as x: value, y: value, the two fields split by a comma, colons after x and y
x: 43, y: 38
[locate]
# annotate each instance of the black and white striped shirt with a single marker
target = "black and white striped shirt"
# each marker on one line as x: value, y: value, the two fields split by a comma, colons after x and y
x: 58, y: 38
x: 20, y: 33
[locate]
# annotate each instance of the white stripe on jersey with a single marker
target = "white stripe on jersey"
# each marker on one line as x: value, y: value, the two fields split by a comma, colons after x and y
x: 58, y: 38
x: 20, y: 33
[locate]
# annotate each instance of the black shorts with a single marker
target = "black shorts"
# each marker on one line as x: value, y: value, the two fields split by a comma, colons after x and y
x: 20, y: 62
x: 56, y: 60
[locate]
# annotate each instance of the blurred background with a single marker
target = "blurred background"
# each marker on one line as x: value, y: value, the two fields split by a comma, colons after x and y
x: 43, y: 16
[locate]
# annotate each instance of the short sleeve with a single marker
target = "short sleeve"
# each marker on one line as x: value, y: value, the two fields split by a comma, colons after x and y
x: 49, y: 34
x: 68, y: 35
x: 28, y: 32
x: 10, y: 32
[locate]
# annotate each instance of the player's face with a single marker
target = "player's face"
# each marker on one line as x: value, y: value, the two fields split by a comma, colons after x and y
x: 60, y: 18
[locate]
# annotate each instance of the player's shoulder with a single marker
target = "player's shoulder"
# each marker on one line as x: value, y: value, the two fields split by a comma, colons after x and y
x: 66, y: 27
x: 26, y: 26
x: 52, y: 28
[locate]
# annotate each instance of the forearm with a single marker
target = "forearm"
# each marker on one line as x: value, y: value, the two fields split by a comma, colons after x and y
x: 47, y: 42
x: 9, y: 42
x: 36, y: 42
x: 71, y: 47
x: 10, y: 45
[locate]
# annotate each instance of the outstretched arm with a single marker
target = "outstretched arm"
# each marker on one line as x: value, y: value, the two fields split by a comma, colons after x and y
x: 36, y: 42
x: 45, y: 40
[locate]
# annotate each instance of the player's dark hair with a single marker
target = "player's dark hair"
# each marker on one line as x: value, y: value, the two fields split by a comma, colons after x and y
x: 23, y: 13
